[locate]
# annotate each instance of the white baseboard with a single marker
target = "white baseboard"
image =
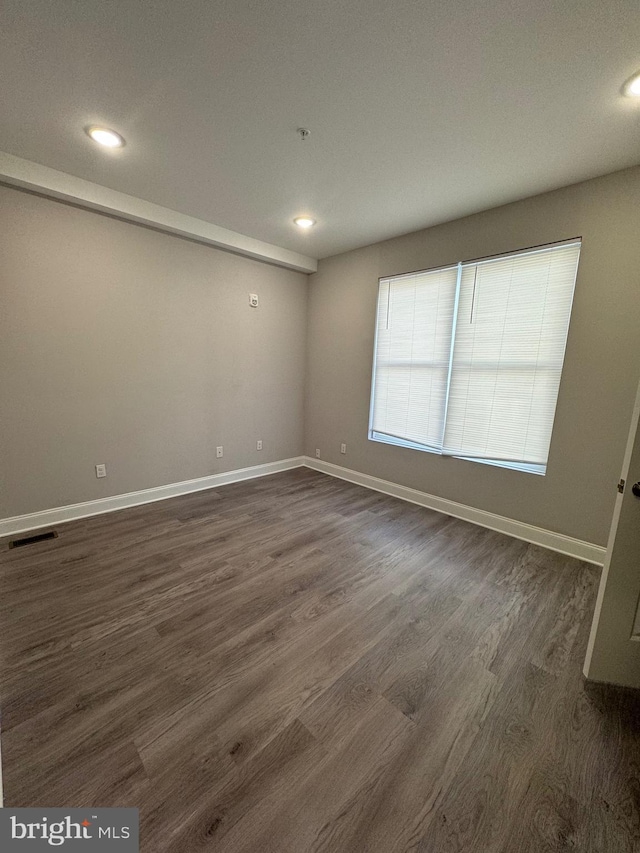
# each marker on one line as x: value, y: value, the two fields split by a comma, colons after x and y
x: 58, y: 515
x: 537, y: 535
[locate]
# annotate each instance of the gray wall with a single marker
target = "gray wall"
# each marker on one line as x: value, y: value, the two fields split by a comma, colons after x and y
x: 601, y: 372
x: 122, y: 345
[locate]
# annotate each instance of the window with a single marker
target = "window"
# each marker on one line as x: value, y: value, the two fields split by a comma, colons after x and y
x: 468, y: 358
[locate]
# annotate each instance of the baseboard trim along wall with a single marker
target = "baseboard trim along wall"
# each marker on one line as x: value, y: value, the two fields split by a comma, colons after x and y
x: 586, y: 551
x: 520, y: 530
x: 58, y: 515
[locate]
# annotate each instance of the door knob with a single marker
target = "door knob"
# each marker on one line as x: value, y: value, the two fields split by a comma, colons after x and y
x: 636, y: 489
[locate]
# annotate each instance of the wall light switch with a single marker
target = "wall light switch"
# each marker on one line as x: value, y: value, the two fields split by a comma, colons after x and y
x: 253, y: 300
x: 101, y: 471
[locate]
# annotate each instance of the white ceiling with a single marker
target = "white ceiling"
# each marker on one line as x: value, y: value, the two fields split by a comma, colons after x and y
x: 420, y: 112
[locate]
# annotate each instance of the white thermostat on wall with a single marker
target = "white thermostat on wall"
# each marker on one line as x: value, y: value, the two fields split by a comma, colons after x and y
x: 253, y: 300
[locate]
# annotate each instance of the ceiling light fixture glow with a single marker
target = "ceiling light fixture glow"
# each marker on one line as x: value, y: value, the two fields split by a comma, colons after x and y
x: 632, y: 87
x: 304, y: 222
x: 106, y: 137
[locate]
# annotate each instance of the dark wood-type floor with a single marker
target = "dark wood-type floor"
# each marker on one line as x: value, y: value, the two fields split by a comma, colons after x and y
x: 297, y: 664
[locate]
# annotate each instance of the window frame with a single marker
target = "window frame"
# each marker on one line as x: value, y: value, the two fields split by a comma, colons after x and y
x: 397, y: 441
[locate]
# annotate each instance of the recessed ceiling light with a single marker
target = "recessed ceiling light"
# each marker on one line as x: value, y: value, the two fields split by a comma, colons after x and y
x: 304, y: 221
x: 106, y: 137
x: 632, y: 86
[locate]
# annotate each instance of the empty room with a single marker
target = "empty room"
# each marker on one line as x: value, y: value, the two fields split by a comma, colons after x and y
x: 319, y: 434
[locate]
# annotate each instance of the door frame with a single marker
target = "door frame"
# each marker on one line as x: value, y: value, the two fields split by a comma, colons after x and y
x: 613, y: 650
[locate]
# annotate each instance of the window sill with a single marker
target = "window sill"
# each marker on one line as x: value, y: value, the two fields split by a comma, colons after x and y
x: 523, y: 467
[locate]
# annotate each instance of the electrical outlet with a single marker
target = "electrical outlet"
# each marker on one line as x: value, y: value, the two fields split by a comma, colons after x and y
x: 219, y: 452
x: 317, y: 453
x: 343, y: 448
x: 253, y: 300
x: 259, y: 444
x: 101, y: 471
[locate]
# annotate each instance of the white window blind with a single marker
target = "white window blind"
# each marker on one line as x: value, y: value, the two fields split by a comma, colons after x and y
x: 415, y: 318
x: 468, y: 359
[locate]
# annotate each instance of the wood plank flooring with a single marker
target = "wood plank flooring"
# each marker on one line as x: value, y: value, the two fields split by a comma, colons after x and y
x: 296, y: 664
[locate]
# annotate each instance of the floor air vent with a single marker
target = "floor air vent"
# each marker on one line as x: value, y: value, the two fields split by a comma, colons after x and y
x: 31, y: 540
